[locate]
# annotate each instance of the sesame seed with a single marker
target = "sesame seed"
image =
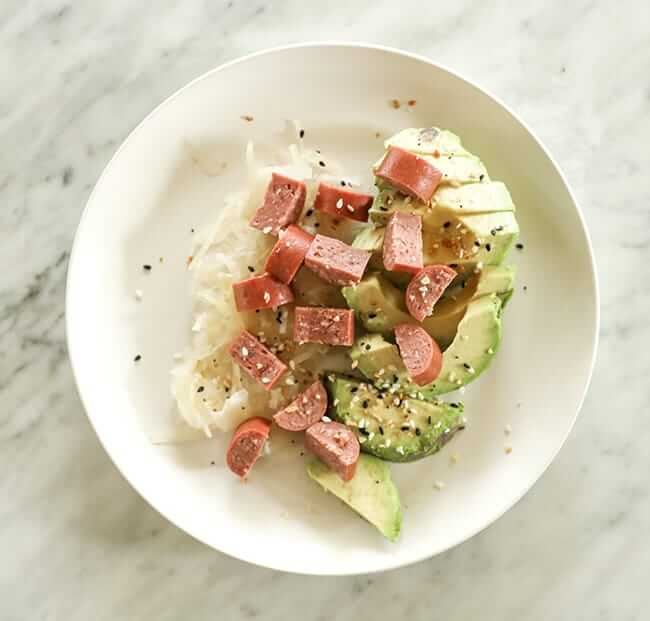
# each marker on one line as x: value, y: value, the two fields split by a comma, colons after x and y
x: 302, y: 133
x: 507, y: 430
x: 350, y: 208
x: 321, y: 163
x: 267, y: 297
x: 326, y: 419
x: 266, y: 380
x: 267, y: 229
x: 354, y: 364
x: 137, y: 358
x: 138, y: 294
x: 339, y: 203
x: 146, y: 267
x: 439, y: 485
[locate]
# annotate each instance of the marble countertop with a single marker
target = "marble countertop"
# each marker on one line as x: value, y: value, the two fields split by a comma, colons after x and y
x: 78, y: 543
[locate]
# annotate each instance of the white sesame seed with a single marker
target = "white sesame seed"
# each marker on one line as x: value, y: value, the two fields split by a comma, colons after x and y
x: 336, y: 402
x: 336, y: 319
x: 490, y: 350
x: 267, y: 297
x: 259, y: 365
x: 138, y: 294
x: 267, y: 229
x: 339, y: 203
x: 425, y: 280
x: 439, y: 485
x: 326, y: 419
x: 178, y: 356
x: 354, y: 364
x: 350, y: 208
x: 266, y: 380
x: 244, y: 352
x: 507, y: 430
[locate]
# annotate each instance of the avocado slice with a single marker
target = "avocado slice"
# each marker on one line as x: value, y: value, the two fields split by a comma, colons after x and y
x: 393, y: 426
x: 371, y: 492
x: 380, y: 305
x: 448, y: 202
x: 449, y: 238
x: 427, y: 140
x: 470, y: 353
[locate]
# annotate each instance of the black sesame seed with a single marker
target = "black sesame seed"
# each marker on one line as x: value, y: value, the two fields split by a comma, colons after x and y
x: 309, y: 212
x: 429, y: 420
x: 353, y: 390
x: 519, y: 246
x: 137, y: 358
x: 417, y: 431
x: 477, y: 244
x: 200, y: 389
x: 454, y: 265
x: 454, y: 405
x: 466, y: 366
x: 525, y: 288
x: 368, y: 347
x: 146, y: 267
x: 381, y: 430
x: 382, y: 208
x: 321, y: 163
x: 499, y: 227
x: 493, y: 232
x: 212, y: 463
x: 447, y: 224
x: 364, y: 431
x: 192, y: 230
x: 227, y: 389
x: 342, y: 183
x: 405, y: 428
x: 316, y: 225
x: 251, y: 269
x: 302, y: 133
x: 488, y: 247
x: 481, y: 177
x: 364, y: 405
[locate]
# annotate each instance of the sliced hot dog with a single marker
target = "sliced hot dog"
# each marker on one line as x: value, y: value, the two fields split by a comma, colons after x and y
x: 403, y: 243
x: 342, y: 203
x: 336, y: 445
x: 260, y: 363
x: 421, y: 355
x: 410, y: 173
x: 425, y: 289
x: 336, y: 262
x: 329, y: 326
x: 289, y: 252
x: 283, y: 203
x: 261, y: 292
x: 246, y: 445
x: 307, y: 409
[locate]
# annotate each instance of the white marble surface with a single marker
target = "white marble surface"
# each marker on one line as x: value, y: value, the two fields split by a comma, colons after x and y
x: 78, y: 543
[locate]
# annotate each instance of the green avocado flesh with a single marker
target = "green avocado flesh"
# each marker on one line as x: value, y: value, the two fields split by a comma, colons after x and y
x: 380, y: 305
x: 371, y: 492
x: 390, y: 425
x: 470, y: 353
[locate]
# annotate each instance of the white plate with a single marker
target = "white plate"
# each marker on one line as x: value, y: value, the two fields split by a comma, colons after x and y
x: 153, y: 192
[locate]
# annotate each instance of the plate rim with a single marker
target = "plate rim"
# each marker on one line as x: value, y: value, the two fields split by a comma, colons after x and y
x: 391, y: 563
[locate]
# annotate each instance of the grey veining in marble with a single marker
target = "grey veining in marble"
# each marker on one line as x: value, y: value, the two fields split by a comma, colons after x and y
x: 78, y: 543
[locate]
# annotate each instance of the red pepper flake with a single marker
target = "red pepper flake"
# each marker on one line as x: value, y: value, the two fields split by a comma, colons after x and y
x: 247, y: 117
x: 395, y: 103
x: 189, y: 259
x: 411, y: 102
x: 436, y: 154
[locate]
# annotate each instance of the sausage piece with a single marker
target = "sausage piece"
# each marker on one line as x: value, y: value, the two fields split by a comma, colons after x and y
x: 303, y: 412
x: 341, y: 203
x: 403, y: 243
x: 283, y: 204
x: 329, y: 326
x: 336, y: 262
x: 246, y: 445
x: 260, y: 363
x: 261, y: 292
x: 409, y: 173
x: 421, y: 355
x: 336, y: 445
x: 425, y: 289
x: 289, y: 252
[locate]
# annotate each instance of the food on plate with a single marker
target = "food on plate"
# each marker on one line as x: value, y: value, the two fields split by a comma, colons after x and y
x: 261, y: 292
x: 283, y: 204
x: 246, y: 444
x: 425, y: 289
x: 335, y: 445
x: 410, y: 173
x: 342, y: 202
x: 420, y: 353
x: 304, y: 252
x: 288, y: 254
x: 402, y: 250
x: 395, y: 427
x: 329, y: 326
x: 371, y: 493
x: 259, y: 362
x: 305, y: 410
x: 336, y: 262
